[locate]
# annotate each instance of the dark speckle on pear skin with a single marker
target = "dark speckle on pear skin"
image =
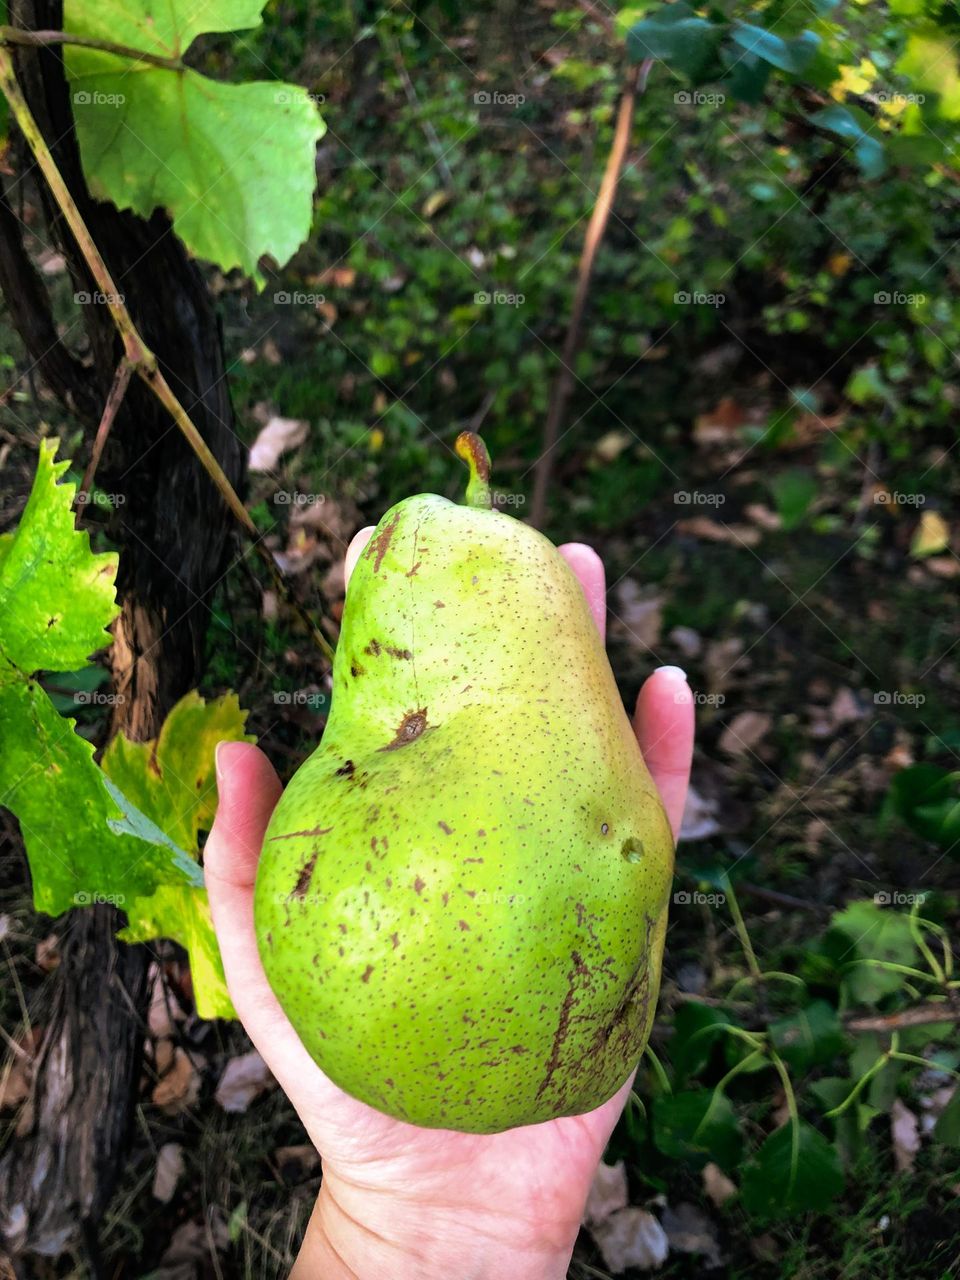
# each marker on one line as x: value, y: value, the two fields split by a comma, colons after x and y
x: 484, y: 886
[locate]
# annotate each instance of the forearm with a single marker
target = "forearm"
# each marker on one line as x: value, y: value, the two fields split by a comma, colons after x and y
x: 354, y: 1236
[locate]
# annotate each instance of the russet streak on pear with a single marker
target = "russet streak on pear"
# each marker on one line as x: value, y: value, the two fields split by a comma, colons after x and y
x: 462, y: 896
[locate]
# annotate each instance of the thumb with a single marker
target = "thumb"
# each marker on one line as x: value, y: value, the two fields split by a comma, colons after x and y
x: 248, y: 790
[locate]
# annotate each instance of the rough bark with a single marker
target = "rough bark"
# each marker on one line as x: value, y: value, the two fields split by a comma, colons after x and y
x: 172, y: 531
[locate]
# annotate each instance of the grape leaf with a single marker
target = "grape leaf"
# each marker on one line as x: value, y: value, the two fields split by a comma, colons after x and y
x: 58, y: 596
x: 173, y: 782
x: 85, y: 842
x: 91, y: 837
x: 166, y: 136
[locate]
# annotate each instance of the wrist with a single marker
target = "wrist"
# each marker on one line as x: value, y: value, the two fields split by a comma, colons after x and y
x: 358, y: 1234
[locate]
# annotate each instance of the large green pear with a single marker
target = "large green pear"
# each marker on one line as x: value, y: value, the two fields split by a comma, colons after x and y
x: 462, y: 896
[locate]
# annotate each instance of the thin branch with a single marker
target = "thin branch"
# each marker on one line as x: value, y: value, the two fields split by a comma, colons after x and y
x: 921, y: 1015
x: 43, y: 39
x: 563, y: 386
x: 121, y: 380
x: 136, y: 351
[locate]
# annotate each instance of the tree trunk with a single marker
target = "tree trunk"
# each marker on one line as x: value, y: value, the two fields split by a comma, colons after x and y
x: 172, y: 530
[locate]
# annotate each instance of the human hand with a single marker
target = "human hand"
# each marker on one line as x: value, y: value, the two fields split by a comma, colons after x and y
x: 398, y: 1200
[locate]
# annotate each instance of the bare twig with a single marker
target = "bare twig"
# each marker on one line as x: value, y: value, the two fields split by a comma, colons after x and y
x: 920, y: 1016
x: 563, y: 385
x: 121, y: 380
x: 136, y: 352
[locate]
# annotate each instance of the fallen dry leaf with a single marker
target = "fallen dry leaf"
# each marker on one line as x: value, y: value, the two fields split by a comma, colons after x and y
x: 276, y: 438
x: 191, y: 1243
x: 931, y: 535
x: 244, y: 1078
x: 168, y: 1172
x: 631, y: 1237
x: 716, y: 1185
x: 179, y: 1089
x: 763, y: 516
x: 699, y: 817
x: 608, y: 1193
x: 721, y: 660
x: 640, y: 616
x: 744, y: 732
x: 905, y: 1131
x: 737, y: 535
x: 688, y: 641
x: 721, y: 424
x: 689, y: 1230
x: 942, y: 566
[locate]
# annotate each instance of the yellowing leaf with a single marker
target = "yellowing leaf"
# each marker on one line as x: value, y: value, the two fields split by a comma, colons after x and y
x: 172, y: 781
x: 853, y: 80
x: 932, y: 535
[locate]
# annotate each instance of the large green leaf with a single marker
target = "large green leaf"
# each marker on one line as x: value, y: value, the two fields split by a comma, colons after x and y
x: 677, y: 36
x: 811, y: 1036
x: 854, y: 125
x: 165, y: 136
x: 796, y: 1169
x: 791, y: 56
x: 864, y: 939
x: 697, y: 1125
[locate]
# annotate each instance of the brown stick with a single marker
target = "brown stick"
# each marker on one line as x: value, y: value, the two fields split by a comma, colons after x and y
x: 920, y: 1016
x: 563, y: 385
x: 121, y: 381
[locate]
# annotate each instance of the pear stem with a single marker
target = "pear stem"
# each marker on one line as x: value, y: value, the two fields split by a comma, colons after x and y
x: 473, y: 451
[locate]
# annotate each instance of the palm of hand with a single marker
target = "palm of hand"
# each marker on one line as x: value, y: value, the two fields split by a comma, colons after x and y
x: 536, y: 1174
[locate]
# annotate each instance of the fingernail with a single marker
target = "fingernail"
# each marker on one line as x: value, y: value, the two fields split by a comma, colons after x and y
x: 676, y: 673
x: 218, y: 764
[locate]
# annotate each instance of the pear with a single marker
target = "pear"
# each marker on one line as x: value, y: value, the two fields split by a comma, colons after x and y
x: 462, y: 896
